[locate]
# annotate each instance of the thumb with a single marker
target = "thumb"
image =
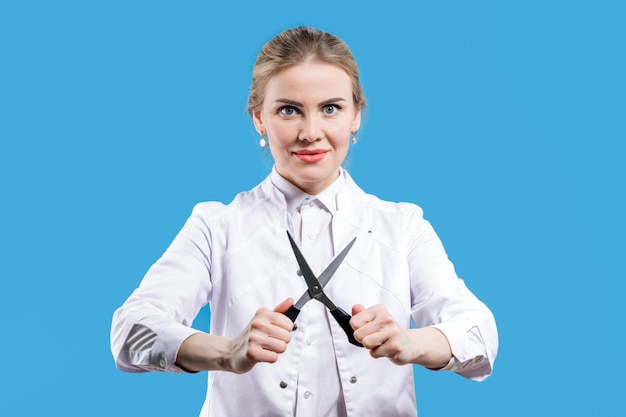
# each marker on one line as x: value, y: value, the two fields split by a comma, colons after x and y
x: 357, y: 308
x: 284, y: 306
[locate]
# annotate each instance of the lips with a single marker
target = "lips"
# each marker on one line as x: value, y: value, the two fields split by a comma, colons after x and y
x: 310, y: 156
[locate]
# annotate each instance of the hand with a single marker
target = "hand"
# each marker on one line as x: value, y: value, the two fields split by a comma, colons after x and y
x: 377, y: 330
x: 265, y: 337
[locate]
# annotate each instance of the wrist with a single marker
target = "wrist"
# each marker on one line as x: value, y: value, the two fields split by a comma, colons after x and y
x: 430, y: 348
x: 204, y: 352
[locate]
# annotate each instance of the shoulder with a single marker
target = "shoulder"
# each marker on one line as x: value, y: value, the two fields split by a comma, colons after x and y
x: 366, y: 202
x: 393, y: 223
x: 208, y: 209
x: 391, y: 207
x: 243, y: 202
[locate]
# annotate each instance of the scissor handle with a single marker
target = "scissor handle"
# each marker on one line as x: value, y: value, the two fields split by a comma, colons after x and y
x: 292, y: 313
x: 343, y: 319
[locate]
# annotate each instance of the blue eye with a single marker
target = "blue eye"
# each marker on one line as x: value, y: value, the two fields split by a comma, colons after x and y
x: 330, y: 109
x: 287, y: 110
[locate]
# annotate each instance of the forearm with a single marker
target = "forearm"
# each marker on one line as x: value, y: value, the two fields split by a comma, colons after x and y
x: 378, y: 331
x: 429, y: 348
x: 442, y: 301
x: 265, y: 337
x: 204, y: 352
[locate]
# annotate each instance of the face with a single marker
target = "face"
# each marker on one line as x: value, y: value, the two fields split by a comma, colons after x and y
x: 308, y: 115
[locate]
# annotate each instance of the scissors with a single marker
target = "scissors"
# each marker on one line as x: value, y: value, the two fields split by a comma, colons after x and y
x: 316, y: 291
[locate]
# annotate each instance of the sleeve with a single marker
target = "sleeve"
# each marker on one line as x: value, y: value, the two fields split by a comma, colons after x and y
x: 148, y: 329
x: 440, y: 299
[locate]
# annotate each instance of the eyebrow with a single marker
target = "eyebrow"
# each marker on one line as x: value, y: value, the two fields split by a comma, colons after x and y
x: 297, y: 104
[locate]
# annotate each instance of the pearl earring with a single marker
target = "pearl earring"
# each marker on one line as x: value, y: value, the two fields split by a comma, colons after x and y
x: 263, y: 142
x: 353, y: 138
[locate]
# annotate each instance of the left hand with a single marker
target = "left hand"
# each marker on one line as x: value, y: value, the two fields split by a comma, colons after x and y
x: 377, y: 330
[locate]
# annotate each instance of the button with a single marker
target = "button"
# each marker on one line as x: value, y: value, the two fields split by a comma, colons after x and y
x: 309, y: 341
x: 353, y: 380
x: 311, y: 236
x: 299, y: 273
x: 162, y: 363
x: 307, y: 395
x: 283, y: 384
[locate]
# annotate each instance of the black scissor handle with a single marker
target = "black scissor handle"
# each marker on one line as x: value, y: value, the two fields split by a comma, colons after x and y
x: 343, y: 319
x: 292, y: 313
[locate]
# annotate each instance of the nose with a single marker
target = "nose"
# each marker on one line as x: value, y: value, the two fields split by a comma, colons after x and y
x: 311, y: 129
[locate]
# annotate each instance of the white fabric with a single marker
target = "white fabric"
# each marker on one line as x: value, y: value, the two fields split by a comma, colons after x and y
x: 238, y: 259
x: 318, y: 391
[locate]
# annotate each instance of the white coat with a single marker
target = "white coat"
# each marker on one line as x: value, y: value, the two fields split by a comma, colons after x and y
x: 237, y: 258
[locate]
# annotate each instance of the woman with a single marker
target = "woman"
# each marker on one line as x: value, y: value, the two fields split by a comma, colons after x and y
x: 306, y: 103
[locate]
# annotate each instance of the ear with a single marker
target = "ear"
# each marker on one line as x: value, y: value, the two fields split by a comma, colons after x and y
x: 258, y: 122
x: 356, y: 123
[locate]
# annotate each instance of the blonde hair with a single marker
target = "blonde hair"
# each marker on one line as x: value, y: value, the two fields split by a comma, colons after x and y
x: 296, y: 46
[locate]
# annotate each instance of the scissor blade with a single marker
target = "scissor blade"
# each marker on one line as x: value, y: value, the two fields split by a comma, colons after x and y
x: 309, y: 276
x: 326, y: 275
x: 306, y: 297
x: 332, y: 267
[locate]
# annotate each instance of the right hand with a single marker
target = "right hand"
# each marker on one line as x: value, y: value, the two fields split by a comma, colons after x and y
x: 263, y: 339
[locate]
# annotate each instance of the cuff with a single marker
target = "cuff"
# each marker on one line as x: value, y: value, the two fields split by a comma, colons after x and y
x: 469, y: 357
x: 456, y: 333
x: 166, y: 346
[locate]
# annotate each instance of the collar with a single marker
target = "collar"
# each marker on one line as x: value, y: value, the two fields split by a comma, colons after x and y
x: 295, y: 197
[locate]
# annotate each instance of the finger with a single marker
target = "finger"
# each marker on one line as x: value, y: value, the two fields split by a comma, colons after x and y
x: 281, y: 333
x: 375, y: 340
x: 361, y: 316
x: 270, y: 343
x: 391, y: 350
x: 380, y: 352
x: 280, y: 319
x: 357, y: 308
x: 389, y: 343
x: 377, y: 331
x: 273, y: 325
x: 284, y: 306
x: 260, y: 354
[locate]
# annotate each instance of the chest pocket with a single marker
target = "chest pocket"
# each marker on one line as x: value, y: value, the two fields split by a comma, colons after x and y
x: 373, y: 273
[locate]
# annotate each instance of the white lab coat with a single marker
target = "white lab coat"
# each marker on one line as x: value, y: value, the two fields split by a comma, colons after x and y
x: 237, y: 258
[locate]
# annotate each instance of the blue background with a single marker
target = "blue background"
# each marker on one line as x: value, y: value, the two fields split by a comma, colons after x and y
x: 505, y: 121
